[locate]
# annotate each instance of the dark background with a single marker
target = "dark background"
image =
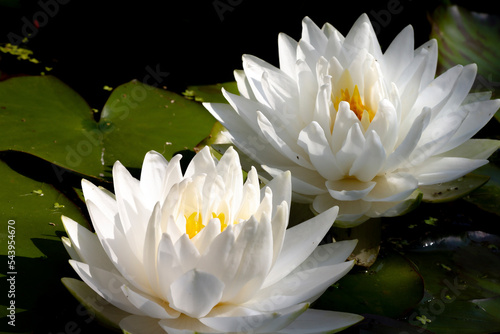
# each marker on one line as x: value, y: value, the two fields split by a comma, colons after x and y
x: 89, y: 44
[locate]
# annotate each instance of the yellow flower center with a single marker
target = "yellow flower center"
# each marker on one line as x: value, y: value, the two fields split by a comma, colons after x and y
x: 355, y: 103
x: 194, y: 223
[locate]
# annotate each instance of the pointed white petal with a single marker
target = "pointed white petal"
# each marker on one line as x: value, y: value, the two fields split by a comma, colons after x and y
x: 86, y: 244
x: 349, y: 189
x: 300, y: 241
x: 474, y: 149
x: 371, y: 159
x: 266, y: 322
x: 444, y: 169
x: 313, y: 140
x: 302, y: 285
x: 105, y: 284
x: 153, y: 176
x: 287, y: 48
x: 399, y: 54
x: 149, y: 305
x: 313, y: 35
x: 203, y: 162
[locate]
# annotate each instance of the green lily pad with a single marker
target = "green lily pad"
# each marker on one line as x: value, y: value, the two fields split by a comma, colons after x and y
x: 453, y: 190
x: 44, y: 117
x: 138, y: 118
x: 210, y: 93
x: 32, y: 226
x: 107, y: 314
x: 462, y: 283
x: 466, y: 37
x: 391, y: 287
x: 488, y: 196
x: 490, y: 306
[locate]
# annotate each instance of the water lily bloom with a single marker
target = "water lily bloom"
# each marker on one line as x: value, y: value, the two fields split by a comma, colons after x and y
x: 203, y: 252
x: 357, y: 128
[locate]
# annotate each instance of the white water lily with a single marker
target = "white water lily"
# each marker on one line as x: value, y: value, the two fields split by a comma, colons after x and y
x: 204, y: 252
x: 357, y: 128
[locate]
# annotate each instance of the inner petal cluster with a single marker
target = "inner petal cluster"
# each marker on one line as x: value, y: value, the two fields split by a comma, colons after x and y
x: 355, y: 102
x: 194, y: 223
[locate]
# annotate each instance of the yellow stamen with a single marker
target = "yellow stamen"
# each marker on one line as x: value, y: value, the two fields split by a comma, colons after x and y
x: 222, y: 219
x: 355, y: 103
x: 194, y: 223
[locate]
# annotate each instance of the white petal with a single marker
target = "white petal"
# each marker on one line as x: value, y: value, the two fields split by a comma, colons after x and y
x: 344, y: 121
x: 100, y: 196
x: 313, y: 140
x: 253, y: 144
x: 149, y: 305
x: 401, y: 154
x: 313, y: 35
x: 243, y: 85
x: 105, y: 284
x: 153, y: 176
x: 392, y: 187
x: 281, y: 187
x: 439, y: 170
x: 134, y: 214
x: 302, y: 285
x: 319, y: 322
x: 255, y: 262
x: 202, y: 163
x: 371, y: 159
x: 300, y: 241
x: 385, y: 124
x: 287, y: 48
x: 169, y: 266
x: 69, y: 248
x: 266, y: 322
x: 195, y: 293
x: 478, y: 114
x: 116, y: 246
x: 351, y: 148
x: 86, y: 244
x: 474, y: 149
x: 348, y: 210
x: 251, y: 196
x: 185, y: 325
x: 399, y: 54
x: 349, y: 189
x: 206, y: 236
x: 306, y: 83
x: 279, y: 224
x: 304, y: 181
x: 285, y: 147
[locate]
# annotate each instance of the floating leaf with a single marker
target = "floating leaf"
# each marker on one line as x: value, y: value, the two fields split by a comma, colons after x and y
x: 211, y: 93
x: 40, y: 258
x: 466, y: 37
x: 488, y: 196
x: 391, y: 287
x: 458, y: 271
x: 453, y: 190
x: 44, y: 117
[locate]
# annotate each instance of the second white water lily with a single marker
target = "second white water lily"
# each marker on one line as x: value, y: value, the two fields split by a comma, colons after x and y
x: 357, y: 128
x: 201, y: 252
